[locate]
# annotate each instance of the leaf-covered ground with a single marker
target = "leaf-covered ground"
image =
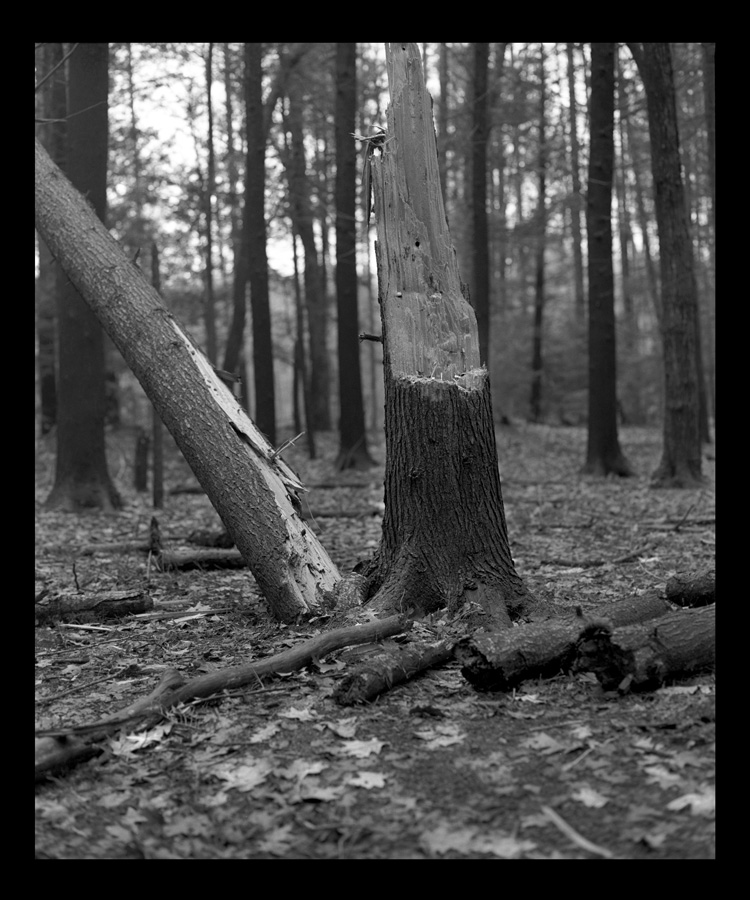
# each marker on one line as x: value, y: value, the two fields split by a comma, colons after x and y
x: 432, y: 770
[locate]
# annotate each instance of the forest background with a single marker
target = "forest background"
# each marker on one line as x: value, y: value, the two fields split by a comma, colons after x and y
x: 175, y: 187
x: 190, y: 185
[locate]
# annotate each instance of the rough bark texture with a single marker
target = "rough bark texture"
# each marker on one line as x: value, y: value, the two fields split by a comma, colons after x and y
x: 642, y: 657
x: 81, y: 476
x: 499, y: 661
x: 255, y: 234
x: 603, y: 455
x: 444, y: 538
x: 353, y: 438
x: 252, y: 489
x: 680, y: 464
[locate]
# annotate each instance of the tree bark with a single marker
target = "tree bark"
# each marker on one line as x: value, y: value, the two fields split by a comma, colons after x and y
x: 603, y: 455
x: 576, y: 200
x: 250, y: 487
x: 257, y: 261
x: 353, y: 453
x: 52, y: 107
x: 680, y: 464
x: 444, y: 541
x: 81, y: 477
x: 535, y: 405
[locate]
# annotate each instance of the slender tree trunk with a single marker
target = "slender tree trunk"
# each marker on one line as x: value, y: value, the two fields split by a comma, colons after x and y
x: 53, y: 106
x: 208, y: 201
x: 680, y: 465
x: 709, y: 94
x: 576, y: 204
x: 444, y: 537
x: 157, y: 429
x: 315, y: 299
x: 81, y: 477
x: 536, y: 351
x: 251, y: 487
x: 636, y: 165
x: 603, y: 452
x: 353, y: 451
x: 257, y: 261
x: 631, y: 392
x: 301, y: 356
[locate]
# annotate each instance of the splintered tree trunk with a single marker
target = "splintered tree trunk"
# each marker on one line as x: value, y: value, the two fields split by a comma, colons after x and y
x: 249, y: 484
x: 444, y: 541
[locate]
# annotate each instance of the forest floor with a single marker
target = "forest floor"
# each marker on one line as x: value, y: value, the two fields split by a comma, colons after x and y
x: 557, y: 769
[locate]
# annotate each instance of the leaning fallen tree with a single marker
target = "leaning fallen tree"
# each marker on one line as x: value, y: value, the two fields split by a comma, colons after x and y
x: 253, y: 490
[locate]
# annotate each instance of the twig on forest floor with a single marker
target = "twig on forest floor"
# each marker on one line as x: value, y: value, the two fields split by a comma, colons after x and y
x: 578, y: 839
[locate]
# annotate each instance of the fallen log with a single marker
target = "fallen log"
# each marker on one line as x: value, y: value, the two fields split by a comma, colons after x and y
x: 693, y: 589
x: 500, y: 660
x: 92, y: 607
x: 643, y: 657
x: 385, y: 670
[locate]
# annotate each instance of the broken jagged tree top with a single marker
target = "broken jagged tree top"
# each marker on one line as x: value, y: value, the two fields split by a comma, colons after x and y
x: 429, y: 326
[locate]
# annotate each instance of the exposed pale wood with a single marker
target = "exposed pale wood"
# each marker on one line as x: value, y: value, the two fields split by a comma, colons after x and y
x: 251, y: 487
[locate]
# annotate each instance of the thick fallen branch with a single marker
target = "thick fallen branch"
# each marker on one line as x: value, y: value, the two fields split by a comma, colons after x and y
x: 643, y: 657
x: 57, y: 749
x: 384, y: 670
x: 90, y: 608
x: 694, y: 589
x: 501, y: 660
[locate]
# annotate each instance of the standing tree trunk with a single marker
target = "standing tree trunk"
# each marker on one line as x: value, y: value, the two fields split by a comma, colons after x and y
x: 444, y: 541
x: 536, y: 350
x: 603, y: 454
x: 81, y: 477
x: 315, y: 298
x: 249, y: 485
x: 52, y: 107
x: 257, y: 261
x: 352, y: 436
x: 575, y: 204
x: 709, y: 98
x: 680, y: 464
x: 208, y: 201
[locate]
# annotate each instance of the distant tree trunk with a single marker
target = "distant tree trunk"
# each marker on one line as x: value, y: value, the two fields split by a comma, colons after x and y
x: 709, y: 95
x: 208, y: 201
x: 157, y: 430
x: 250, y: 486
x: 81, y: 477
x: 603, y: 454
x: 315, y: 298
x: 233, y: 352
x: 257, y: 261
x: 480, y: 288
x: 631, y: 391
x: 576, y: 200
x: 636, y: 166
x: 302, y: 379
x: 52, y: 106
x: 353, y: 451
x: 536, y: 350
x: 681, y: 462
x: 444, y: 539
